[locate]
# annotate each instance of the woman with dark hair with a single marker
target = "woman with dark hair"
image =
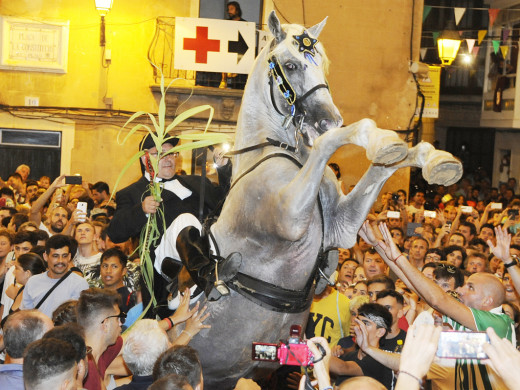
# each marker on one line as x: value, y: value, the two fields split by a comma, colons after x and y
x: 25, y: 266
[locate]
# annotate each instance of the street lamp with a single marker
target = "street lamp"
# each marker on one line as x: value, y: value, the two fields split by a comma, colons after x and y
x: 103, y: 7
x: 448, y: 44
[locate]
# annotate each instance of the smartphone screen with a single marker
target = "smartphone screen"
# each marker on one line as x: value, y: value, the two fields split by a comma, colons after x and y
x: 73, y: 180
x: 462, y: 345
x: 430, y: 214
x: 265, y: 352
x: 393, y: 214
x: 467, y: 209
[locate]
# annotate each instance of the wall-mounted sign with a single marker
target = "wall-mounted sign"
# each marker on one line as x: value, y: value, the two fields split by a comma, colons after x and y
x: 33, y: 45
x: 430, y: 87
x: 214, y: 45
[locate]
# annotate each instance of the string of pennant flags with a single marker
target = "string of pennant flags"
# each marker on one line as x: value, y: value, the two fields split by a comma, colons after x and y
x: 481, y: 34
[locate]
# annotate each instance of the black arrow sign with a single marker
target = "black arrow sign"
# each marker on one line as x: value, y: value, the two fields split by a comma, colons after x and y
x: 240, y: 47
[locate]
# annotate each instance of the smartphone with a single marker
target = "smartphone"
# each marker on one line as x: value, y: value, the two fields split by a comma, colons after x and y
x: 83, y: 207
x: 466, y: 209
x: 462, y: 345
x: 393, y: 214
x: 496, y: 206
x: 513, y: 213
x: 430, y: 214
x: 73, y: 179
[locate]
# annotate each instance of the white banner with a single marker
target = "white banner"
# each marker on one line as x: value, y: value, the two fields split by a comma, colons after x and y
x: 214, y: 45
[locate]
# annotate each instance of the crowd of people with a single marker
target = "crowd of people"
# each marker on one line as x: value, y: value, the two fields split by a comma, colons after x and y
x: 71, y: 281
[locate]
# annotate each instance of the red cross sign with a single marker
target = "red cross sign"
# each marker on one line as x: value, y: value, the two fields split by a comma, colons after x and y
x: 214, y: 45
x: 201, y: 44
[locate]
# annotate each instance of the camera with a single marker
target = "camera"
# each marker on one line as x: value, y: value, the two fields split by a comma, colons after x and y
x: 512, y: 213
x: 293, y: 351
x: 395, y: 197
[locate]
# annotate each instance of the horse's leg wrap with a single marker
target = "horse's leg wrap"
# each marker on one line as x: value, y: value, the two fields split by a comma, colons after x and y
x: 195, y: 255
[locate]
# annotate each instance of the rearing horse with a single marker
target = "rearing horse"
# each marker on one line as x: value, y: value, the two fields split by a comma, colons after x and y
x: 285, y: 207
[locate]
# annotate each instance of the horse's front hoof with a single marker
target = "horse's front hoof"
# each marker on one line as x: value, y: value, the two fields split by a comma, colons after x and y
x: 442, y: 168
x: 385, y: 147
x: 390, y: 154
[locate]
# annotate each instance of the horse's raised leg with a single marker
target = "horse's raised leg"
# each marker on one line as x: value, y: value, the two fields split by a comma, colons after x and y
x: 438, y: 167
x: 382, y: 146
x: 295, y: 201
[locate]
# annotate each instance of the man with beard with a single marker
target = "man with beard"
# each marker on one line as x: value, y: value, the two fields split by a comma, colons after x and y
x: 59, y: 216
x: 57, y: 221
x: 62, y: 283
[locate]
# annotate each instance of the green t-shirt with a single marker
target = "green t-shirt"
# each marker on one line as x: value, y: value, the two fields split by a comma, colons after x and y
x: 470, y: 374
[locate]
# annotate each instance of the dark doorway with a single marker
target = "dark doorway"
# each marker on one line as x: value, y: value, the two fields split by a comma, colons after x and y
x: 474, y: 146
x: 42, y: 161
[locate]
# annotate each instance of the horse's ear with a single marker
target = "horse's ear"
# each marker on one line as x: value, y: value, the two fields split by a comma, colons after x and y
x: 275, y: 27
x: 316, y: 29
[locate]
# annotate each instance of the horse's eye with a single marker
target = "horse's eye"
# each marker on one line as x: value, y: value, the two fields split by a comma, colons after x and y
x: 290, y: 66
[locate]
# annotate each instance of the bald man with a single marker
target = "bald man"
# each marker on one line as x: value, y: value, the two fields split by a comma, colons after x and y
x: 478, y: 308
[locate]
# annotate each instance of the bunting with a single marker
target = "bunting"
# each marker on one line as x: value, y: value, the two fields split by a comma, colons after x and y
x: 423, y: 52
x: 475, y: 50
x: 496, y: 45
x: 481, y: 35
x: 459, y: 12
x: 435, y: 36
x: 493, y: 12
x: 504, y: 49
x: 505, y: 34
x: 426, y: 11
x: 471, y: 43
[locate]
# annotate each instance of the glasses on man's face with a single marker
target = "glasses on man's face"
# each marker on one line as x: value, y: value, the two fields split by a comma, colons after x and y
x: 433, y: 258
x: 121, y: 316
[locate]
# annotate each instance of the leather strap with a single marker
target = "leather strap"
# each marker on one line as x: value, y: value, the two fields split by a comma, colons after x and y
x: 52, y: 289
x: 267, y: 294
x: 270, y: 142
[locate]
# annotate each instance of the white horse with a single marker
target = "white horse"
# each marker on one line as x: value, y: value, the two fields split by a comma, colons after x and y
x: 285, y: 206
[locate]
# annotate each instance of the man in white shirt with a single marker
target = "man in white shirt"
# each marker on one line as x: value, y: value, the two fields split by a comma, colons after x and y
x: 58, y: 257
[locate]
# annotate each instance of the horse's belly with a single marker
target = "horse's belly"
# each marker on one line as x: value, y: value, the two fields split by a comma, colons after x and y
x: 225, y: 349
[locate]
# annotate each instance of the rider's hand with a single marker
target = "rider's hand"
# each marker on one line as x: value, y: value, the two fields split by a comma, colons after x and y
x: 150, y: 205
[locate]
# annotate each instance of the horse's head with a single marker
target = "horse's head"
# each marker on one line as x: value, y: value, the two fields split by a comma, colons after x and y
x: 298, y: 65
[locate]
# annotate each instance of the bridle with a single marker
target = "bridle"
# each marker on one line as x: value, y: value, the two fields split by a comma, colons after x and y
x: 296, y: 113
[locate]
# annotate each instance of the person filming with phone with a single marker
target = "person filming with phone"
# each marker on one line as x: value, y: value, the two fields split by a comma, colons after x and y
x: 477, y: 308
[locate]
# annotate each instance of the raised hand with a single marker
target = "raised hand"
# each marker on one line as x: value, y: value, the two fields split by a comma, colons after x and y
x: 196, y: 323
x: 183, y: 312
x: 503, y: 239
x: 423, y: 338
x: 391, y: 250
x: 503, y: 358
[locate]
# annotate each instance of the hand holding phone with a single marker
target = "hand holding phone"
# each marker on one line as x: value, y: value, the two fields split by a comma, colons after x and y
x: 82, y: 207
